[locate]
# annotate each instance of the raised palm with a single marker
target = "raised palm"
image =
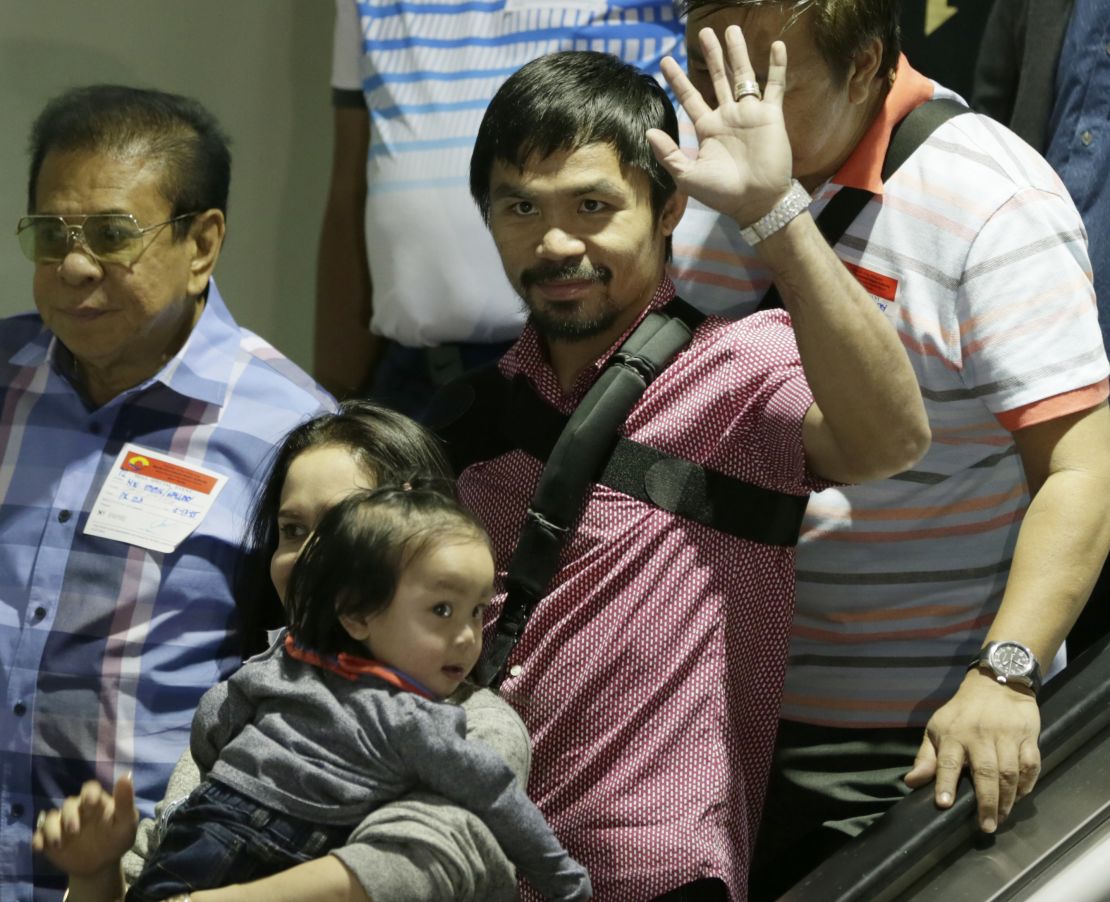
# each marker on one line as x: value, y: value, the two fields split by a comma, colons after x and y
x: 744, y: 163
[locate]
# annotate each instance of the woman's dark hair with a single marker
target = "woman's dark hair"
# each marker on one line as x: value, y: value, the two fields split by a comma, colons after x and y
x: 173, y: 131
x: 391, y: 448
x: 353, y: 560
x: 565, y: 101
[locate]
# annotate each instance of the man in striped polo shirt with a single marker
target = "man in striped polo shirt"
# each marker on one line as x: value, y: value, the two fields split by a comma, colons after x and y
x: 410, y: 290
x: 1044, y: 71
x: 975, y: 252
x: 135, y: 419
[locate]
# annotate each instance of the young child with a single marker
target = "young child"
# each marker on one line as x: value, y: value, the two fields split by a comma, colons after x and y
x: 344, y: 712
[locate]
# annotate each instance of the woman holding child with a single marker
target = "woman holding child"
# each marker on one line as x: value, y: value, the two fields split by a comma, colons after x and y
x: 419, y: 847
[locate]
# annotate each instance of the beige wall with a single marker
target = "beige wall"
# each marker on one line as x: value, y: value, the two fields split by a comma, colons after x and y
x: 261, y: 66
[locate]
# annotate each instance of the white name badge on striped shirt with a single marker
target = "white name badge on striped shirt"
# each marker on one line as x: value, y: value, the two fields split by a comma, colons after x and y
x: 882, y: 288
x: 152, y: 500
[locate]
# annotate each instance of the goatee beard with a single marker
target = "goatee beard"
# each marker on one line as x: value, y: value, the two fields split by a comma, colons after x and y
x: 568, y: 326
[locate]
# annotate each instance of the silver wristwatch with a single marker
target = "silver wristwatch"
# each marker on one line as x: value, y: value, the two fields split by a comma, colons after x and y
x: 796, y: 201
x: 1010, y: 662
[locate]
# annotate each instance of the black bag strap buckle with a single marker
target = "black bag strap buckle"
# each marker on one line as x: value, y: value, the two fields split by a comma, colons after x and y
x: 520, y: 600
x: 643, y: 367
x: 552, y: 528
x: 489, y: 671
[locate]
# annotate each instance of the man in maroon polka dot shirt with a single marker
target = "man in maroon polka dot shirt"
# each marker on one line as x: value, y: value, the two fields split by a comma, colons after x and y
x: 650, y: 674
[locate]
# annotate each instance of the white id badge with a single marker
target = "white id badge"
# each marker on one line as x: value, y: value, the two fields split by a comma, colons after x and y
x: 152, y: 500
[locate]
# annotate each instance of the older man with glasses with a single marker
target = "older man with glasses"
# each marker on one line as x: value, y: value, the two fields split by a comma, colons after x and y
x: 134, y: 416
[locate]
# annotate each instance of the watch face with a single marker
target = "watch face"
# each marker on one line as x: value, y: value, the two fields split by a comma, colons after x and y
x: 1011, y: 659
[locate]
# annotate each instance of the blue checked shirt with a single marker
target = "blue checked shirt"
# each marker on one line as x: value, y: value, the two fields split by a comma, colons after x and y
x: 105, y: 647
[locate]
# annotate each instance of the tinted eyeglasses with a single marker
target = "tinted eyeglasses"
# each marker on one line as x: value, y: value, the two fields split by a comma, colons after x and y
x: 108, y: 237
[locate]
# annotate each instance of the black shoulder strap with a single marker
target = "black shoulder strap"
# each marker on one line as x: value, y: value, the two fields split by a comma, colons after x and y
x: 484, y: 415
x: 706, y: 496
x: 578, y: 456
x: 915, y: 128
x: 481, y: 415
x: 466, y: 414
x: 848, y: 203
x: 511, y: 416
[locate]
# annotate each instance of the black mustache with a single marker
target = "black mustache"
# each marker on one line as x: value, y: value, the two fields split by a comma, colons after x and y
x: 573, y: 272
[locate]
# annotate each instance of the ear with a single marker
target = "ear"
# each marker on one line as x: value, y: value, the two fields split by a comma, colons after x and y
x: 672, y: 213
x: 206, y: 234
x: 863, y: 73
x: 356, y: 625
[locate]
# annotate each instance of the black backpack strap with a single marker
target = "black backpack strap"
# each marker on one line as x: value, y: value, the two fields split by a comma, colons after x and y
x: 466, y: 415
x: 482, y: 415
x: 578, y: 456
x: 703, y: 495
x: 486, y: 416
x: 848, y: 203
x: 915, y: 128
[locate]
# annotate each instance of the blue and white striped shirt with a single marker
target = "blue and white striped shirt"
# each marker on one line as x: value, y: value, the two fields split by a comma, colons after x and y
x: 106, y: 647
x: 426, y: 72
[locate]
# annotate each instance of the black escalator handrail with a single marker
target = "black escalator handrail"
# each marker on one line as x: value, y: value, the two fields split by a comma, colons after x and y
x: 895, y: 852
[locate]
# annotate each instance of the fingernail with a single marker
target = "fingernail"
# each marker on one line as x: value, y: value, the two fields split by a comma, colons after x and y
x: 946, y: 798
x: 989, y: 826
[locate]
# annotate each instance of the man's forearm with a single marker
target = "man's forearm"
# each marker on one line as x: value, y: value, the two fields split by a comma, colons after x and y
x: 854, y: 361
x: 1061, y: 547
x: 344, y: 349
x: 1065, y: 535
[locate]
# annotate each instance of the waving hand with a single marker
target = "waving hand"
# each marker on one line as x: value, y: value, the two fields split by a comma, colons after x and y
x: 743, y: 166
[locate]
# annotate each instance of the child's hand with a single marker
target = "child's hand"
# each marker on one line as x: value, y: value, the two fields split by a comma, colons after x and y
x: 91, y: 831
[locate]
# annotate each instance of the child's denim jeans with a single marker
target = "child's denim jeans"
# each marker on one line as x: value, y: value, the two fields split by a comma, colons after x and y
x: 218, y: 837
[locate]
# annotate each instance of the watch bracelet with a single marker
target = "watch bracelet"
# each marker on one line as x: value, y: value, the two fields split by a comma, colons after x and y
x: 795, y: 202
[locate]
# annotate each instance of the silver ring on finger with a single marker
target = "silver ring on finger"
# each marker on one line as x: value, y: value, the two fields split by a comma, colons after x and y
x: 748, y: 89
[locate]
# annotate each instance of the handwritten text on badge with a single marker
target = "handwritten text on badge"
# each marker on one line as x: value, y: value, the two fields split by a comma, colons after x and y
x: 151, y: 500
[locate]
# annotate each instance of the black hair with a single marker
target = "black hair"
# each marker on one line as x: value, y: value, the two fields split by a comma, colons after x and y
x: 565, y: 101
x: 841, y: 28
x: 389, y: 446
x: 174, y: 131
x: 352, y: 562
